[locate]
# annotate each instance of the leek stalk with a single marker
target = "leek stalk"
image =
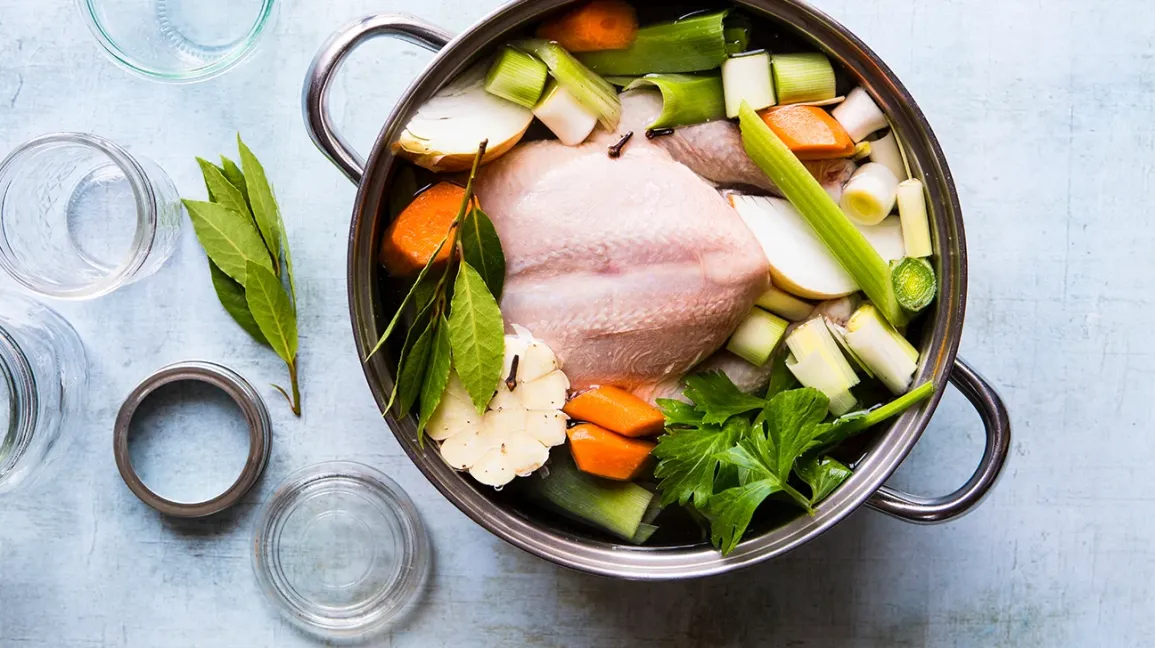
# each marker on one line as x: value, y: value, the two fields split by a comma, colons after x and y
x: 785, y: 305
x: 516, y: 76
x: 914, y: 283
x: 747, y: 78
x: 870, y: 194
x: 615, y: 507
x: 859, y: 115
x: 737, y: 39
x: 861, y: 261
x: 692, y: 44
x: 881, y: 348
x: 861, y: 151
x: 757, y: 337
x: 563, y: 115
x: 885, y: 151
x: 595, y: 93
x: 817, y: 361
x: 803, y: 77
x: 915, y: 224
x: 686, y: 98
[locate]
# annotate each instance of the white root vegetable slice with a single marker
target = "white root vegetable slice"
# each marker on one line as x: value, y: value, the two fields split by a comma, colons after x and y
x: 799, y: 262
x: 444, y: 134
x: 547, y: 392
x: 547, y: 426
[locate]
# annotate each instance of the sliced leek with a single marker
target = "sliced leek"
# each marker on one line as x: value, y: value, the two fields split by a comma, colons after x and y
x: 746, y: 77
x: 870, y: 194
x: 692, y: 44
x: 686, y: 98
x: 915, y: 285
x: 803, y: 78
x: 853, y: 252
x: 737, y: 39
x: 516, y: 76
x: 757, y: 337
x: 817, y: 361
x: 885, y: 151
x: 616, y: 507
x: 859, y: 115
x: 915, y: 224
x: 595, y: 93
x: 889, y: 356
x: 785, y: 305
x: 562, y: 114
x: 839, y: 334
x: 861, y: 151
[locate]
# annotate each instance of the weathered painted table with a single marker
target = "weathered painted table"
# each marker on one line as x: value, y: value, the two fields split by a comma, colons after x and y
x: 1044, y: 109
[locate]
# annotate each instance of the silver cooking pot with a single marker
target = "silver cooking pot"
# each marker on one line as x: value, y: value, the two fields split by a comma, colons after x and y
x: 372, y: 300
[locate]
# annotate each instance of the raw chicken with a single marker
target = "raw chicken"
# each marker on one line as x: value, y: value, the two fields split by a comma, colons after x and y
x: 632, y: 270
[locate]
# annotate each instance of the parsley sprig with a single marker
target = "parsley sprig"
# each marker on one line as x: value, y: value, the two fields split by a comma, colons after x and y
x: 728, y: 451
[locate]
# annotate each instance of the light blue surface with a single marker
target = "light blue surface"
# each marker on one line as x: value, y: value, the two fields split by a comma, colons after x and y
x: 1044, y: 110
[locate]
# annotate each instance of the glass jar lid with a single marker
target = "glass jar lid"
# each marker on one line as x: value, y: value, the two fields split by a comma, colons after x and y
x: 341, y: 550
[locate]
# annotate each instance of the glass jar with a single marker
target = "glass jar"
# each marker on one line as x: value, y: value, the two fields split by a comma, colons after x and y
x: 43, y: 384
x: 81, y: 217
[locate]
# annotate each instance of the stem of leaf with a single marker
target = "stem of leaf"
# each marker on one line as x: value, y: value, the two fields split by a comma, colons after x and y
x: 296, y: 387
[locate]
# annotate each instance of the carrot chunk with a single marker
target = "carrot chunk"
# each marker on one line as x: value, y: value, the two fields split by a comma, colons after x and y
x: 616, y: 410
x: 414, y: 235
x: 598, y: 451
x: 810, y: 132
x: 595, y: 25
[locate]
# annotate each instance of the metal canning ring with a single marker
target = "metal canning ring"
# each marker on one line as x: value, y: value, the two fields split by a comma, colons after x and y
x: 250, y: 402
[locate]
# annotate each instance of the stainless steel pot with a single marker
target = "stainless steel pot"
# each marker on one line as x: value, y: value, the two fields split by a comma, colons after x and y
x: 369, y: 304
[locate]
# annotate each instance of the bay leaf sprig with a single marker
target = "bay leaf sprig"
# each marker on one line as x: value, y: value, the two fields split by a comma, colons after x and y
x: 243, y: 234
x: 457, y: 323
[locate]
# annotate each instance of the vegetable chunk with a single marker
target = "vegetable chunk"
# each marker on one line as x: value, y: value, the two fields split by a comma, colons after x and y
x: 616, y: 410
x: 595, y: 26
x: 417, y: 231
x: 597, y: 451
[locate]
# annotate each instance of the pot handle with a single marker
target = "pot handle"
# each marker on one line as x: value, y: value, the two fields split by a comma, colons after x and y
x: 930, y: 510
x: 329, y: 59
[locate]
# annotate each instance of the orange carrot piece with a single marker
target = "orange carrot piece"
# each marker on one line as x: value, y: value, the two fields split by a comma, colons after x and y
x: 414, y: 235
x: 810, y: 132
x: 598, y: 451
x: 594, y: 26
x: 616, y: 410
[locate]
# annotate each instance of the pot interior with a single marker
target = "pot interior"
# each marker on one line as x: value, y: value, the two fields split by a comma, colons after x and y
x: 678, y: 549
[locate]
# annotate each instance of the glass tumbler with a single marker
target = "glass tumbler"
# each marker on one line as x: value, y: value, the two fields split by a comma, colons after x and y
x: 43, y: 382
x: 177, y: 41
x: 80, y: 217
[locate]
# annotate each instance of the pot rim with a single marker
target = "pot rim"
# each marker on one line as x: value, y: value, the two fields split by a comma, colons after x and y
x: 889, y: 448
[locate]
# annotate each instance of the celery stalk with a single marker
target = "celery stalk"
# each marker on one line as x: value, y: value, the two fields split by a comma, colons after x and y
x: 616, y: 507
x: 595, y: 93
x: 686, y: 98
x: 833, y: 228
x: 692, y: 44
x: 516, y: 76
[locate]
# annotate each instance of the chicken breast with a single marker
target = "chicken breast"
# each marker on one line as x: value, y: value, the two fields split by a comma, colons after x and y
x: 632, y: 269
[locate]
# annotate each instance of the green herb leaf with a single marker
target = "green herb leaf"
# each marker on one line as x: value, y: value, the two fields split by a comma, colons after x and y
x: 408, y: 298
x: 260, y: 194
x: 688, y: 462
x: 236, y: 177
x: 477, y: 336
x: 821, y: 475
x: 794, y: 424
x: 229, y: 238
x: 288, y: 259
x: 414, y: 362
x: 481, y: 248
x: 232, y: 296
x: 731, y: 510
x: 781, y: 378
x: 716, y: 395
x: 678, y: 413
x: 272, y: 311
x: 436, y: 378
x: 221, y: 191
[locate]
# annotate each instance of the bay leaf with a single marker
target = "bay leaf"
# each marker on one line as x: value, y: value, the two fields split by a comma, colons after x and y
x: 411, y: 375
x: 288, y: 259
x: 229, y: 238
x: 232, y: 297
x: 476, y: 335
x: 272, y: 310
x: 436, y: 376
x: 416, y: 330
x: 481, y: 248
x: 221, y: 191
x: 260, y: 193
x: 236, y: 177
x: 407, y: 300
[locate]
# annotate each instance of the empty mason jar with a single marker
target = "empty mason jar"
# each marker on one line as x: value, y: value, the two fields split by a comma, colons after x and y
x: 80, y: 217
x: 43, y: 383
